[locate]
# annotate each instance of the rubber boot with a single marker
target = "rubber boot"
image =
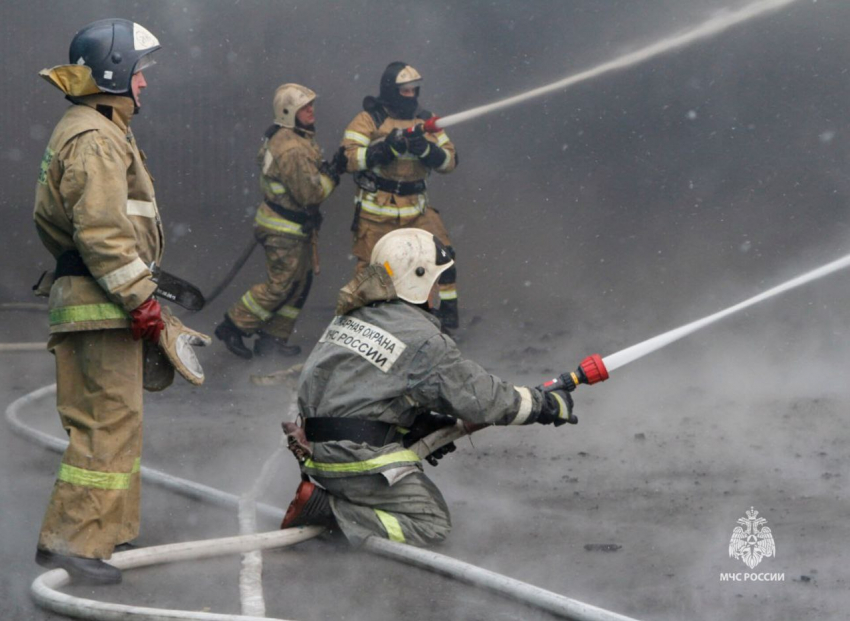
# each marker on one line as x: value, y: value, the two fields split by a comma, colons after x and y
x: 267, y: 345
x: 81, y: 570
x: 311, y: 507
x: 231, y: 336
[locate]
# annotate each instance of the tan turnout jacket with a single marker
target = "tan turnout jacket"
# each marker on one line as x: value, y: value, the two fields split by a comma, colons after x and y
x: 95, y: 195
x: 289, y: 162
x: 382, y: 206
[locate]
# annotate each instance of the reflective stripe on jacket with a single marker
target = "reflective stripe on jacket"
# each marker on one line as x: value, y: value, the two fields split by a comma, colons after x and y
x: 289, y: 164
x: 380, y: 205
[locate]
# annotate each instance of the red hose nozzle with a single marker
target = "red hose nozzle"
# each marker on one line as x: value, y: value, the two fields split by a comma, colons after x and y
x: 430, y: 125
x: 594, y: 369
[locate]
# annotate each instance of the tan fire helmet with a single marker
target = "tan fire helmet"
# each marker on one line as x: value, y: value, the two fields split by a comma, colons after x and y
x: 414, y: 259
x: 408, y: 76
x: 288, y: 100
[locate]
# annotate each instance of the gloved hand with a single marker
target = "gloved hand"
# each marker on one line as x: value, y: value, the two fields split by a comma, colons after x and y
x: 146, y: 321
x: 329, y: 170
x: 397, y: 142
x: 385, y: 151
x: 557, y: 409
x: 417, y: 143
x: 340, y: 161
x: 177, y: 342
x: 424, y: 425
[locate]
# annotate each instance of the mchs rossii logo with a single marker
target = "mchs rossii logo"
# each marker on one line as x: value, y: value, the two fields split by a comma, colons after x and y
x: 752, y: 542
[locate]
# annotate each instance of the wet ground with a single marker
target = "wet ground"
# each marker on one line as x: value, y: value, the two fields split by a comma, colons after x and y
x: 632, y: 510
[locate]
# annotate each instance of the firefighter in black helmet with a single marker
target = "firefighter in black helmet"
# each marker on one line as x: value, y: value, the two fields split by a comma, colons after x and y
x: 390, y: 167
x: 96, y: 213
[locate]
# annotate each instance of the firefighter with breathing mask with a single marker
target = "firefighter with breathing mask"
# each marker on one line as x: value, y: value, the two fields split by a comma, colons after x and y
x: 391, y: 158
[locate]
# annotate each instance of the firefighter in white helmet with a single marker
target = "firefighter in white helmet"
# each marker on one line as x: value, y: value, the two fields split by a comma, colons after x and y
x: 383, y: 376
x: 391, y: 166
x: 294, y: 180
x: 96, y: 212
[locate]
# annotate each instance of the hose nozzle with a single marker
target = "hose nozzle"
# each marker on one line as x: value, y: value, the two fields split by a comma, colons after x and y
x: 431, y: 126
x: 590, y: 371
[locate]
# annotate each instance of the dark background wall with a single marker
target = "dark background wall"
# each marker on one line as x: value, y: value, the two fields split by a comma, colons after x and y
x: 626, y: 205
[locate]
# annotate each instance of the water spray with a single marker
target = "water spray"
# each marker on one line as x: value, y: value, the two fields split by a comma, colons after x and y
x: 595, y: 369
x: 710, y: 28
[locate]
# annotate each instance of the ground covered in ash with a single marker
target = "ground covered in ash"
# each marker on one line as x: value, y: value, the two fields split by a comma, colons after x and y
x: 632, y: 510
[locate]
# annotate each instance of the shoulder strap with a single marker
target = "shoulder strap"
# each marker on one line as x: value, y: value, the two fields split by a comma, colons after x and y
x: 271, y: 131
x: 375, y: 110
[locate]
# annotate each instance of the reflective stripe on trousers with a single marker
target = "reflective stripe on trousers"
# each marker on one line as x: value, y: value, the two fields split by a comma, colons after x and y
x: 86, y: 312
x: 95, y: 479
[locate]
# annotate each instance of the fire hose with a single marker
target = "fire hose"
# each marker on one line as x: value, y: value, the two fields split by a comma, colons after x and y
x: 707, y: 29
x: 44, y: 588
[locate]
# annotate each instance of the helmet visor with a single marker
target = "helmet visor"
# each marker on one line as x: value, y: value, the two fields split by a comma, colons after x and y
x: 144, y: 62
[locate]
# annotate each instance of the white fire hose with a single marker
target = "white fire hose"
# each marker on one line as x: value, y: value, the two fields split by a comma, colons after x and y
x: 45, y: 587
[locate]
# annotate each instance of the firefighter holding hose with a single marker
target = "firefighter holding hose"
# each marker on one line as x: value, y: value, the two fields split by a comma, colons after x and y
x: 391, y: 156
x: 383, y: 376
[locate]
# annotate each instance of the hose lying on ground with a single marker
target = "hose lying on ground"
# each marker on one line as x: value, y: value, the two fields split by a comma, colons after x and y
x: 44, y: 587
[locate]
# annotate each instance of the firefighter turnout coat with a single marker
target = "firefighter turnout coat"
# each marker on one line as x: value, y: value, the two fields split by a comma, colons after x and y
x: 286, y: 224
x: 382, y: 359
x: 96, y: 212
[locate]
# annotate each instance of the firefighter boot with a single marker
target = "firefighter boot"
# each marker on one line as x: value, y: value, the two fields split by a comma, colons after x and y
x: 268, y: 345
x: 91, y: 571
x: 311, y: 507
x: 231, y: 336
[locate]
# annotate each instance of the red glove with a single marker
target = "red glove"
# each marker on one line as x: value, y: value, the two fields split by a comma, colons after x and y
x: 147, y: 321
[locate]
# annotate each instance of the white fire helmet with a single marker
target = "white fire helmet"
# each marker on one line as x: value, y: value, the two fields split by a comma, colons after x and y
x: 288, y: 100
x: 414, y: 259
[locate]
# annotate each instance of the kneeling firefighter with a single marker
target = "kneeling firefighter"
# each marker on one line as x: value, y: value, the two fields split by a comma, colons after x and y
x: 295, y: 180
x: 383, y: 376
x: 96, y: 213
x: 391, y: 157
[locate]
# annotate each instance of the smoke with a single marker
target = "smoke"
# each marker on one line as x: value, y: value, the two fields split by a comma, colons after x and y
x: 584, y: 222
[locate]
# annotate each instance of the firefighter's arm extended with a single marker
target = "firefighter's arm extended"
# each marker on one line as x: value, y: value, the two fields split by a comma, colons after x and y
x: 443, y: 381
x: 95, y: 188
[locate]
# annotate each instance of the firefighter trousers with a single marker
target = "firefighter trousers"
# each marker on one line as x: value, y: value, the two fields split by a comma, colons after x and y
x: 95, y: 500
x: 272, y: 307
x: 411, y: 511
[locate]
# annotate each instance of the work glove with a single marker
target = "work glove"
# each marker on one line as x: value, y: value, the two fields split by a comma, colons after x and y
x: 557, y: 409
x: 340, y: 161
x: 397, y: 142
x: 177, y: 342
x: 146, y: 321
x: 424, y: 425
x: 417, y: 143
x: 385, y: 151
x: 434, y: 157
x: 330, y: 171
